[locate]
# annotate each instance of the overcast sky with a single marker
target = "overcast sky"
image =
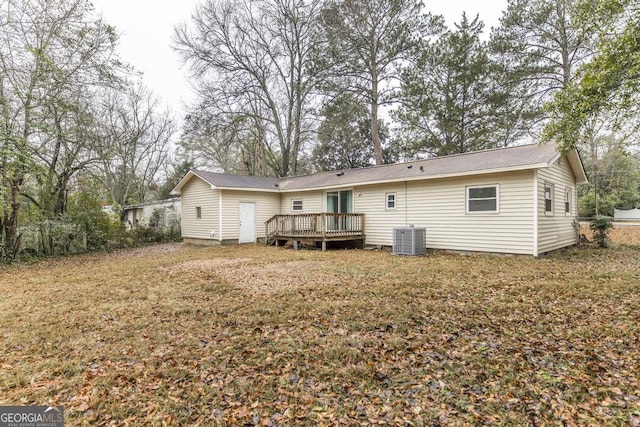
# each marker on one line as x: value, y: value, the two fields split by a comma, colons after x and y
x: 146, y: 28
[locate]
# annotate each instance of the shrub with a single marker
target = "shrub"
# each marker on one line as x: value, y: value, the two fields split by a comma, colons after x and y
x: 144, y: 235
x: 103, y: 230
x: 601, y: 225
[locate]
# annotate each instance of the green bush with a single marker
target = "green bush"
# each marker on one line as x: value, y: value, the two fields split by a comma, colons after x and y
x: 601, y: 226
x: 606, y: 203
x: 104, y: 231
x: 144, y: 235
x: 87, y: 227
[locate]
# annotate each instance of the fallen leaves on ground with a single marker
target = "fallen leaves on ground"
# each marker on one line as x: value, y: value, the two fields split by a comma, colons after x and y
x: 253, y: 335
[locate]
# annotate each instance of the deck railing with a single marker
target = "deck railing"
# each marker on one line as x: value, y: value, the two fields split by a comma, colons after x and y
x: 315, y: 225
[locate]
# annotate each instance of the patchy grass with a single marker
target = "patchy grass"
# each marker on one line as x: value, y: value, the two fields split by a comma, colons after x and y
x: 253, y: 335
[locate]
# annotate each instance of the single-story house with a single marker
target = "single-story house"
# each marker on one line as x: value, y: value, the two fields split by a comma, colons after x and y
x: 517, y: 200
x: 156, y: 213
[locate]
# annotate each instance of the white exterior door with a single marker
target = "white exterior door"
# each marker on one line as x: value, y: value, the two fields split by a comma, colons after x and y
x: 247, y: 223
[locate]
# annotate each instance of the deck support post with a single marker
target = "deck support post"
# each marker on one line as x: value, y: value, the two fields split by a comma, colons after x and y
x: 324, y: 246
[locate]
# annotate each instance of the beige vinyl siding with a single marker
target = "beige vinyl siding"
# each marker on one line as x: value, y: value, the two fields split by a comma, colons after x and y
x: 312, y: 202
x: 440, y: 207
x: 378, y: 220
x: 266, y: 206
x: 557, y: 230
x: 198, y: 193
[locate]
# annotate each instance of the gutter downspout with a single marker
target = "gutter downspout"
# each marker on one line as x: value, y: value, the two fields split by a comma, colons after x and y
x: 406, y: 206
x: 535, y: 212
x: 220, y: 215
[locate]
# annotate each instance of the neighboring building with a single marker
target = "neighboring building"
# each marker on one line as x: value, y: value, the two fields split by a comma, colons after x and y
x: 167, y: 213
x: 519, y: 200
x: 626, y: 215
x: 111, y: 211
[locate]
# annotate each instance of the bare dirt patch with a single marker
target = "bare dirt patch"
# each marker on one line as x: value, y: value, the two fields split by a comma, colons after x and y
x: 207, y: 265
x: 255, y: 276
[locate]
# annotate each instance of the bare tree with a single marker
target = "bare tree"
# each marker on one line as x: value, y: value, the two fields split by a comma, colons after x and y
x: 66, y: 148
x: 135, y: 134
x: 249, y: 61
x: 233, y: 143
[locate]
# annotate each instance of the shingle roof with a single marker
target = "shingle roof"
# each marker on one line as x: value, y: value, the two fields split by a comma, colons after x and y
x: 238, y: 181
x: 519, y: 157
x: 502, y: 159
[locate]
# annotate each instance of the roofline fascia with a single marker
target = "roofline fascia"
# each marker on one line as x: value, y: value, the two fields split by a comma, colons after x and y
x: 186, y: 178
x: 576, y: 163
x: 262, y: 190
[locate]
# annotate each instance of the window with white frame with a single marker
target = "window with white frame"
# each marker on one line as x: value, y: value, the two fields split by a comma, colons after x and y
x: 296, y: 205
x: 483, y: 199
x: 390, y: 200
x: 567, y: 202
x: 198, y: 212
x: 548, y: 198
x: 158, y: 218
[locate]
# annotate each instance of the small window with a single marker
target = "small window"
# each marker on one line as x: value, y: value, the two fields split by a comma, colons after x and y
x: 162, y: 217
x: 296, y: 205
x: 391, y: 200
x: 482, y: 199
x: 198, y: 212
x: 567, y: 202
x: 158, y: 218
x: 548, y: 199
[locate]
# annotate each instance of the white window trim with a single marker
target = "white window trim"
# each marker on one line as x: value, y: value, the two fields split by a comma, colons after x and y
x: 386, y: 201
x: 567, y: 198
x: 353, y: 197
x: 293, y: 203
x: 198, y: 212
x: 466, y: 200
x: 544, y: 197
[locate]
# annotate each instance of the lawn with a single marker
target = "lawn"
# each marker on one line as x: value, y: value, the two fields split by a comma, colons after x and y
x: 255, y: 335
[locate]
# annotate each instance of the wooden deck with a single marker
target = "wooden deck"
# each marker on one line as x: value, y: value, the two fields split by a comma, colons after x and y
x: 315, y: 227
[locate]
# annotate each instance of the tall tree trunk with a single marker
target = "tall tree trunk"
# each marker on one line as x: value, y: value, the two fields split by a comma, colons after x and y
x: 375, y: 133
x: 12, y: 237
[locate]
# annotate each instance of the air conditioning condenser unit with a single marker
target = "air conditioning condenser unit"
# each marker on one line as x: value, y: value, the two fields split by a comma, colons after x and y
x: 409, y: 241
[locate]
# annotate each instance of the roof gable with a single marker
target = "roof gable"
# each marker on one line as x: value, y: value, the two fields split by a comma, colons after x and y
x: 223, y: 180
x: 228, y: 181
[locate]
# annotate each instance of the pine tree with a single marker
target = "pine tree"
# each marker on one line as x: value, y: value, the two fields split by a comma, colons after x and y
x: 450, y: 97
